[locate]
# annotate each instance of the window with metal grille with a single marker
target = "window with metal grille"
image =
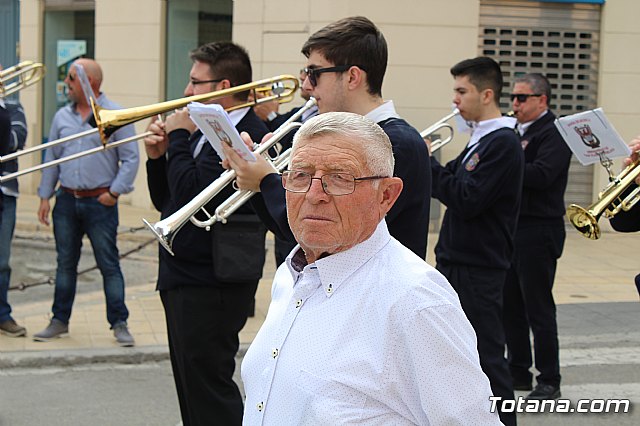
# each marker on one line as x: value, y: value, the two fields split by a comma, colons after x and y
x: 559, y: 40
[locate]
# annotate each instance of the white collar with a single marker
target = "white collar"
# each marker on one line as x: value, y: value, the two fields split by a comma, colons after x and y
x: 342, y: 265
x: 384, y: 112
x: 523, y: 127
x: 485, y: 127
x: 237, y: 115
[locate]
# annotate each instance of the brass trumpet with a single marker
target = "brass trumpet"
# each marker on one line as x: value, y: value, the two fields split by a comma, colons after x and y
x: 165, y: 230
x: 283, y: 88
x: 609, y: 203
x: 439, y: 125
x: 20, y: 76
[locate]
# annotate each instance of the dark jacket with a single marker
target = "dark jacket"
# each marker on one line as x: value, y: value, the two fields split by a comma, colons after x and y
x: 546, y: 172
x: 482, y: 195
x: 176, y: 179
x: 13, y: 135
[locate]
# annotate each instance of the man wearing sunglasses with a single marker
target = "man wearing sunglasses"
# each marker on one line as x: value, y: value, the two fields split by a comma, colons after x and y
x: 86, y: 201
x: 346, y: 63
x: 360, y: 330
x: 528, y: 299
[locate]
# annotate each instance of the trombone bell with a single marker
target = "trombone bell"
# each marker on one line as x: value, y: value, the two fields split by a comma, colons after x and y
x: 25, y: 74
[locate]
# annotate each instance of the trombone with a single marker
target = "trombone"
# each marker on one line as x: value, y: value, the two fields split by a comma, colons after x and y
x: 165, y: 230
x: 283, y: 88
x: 439, y: 125
x: 20, y: 76
x: 609, y: 203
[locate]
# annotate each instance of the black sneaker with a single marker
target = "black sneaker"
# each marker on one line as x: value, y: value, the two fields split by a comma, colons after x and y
x: 12, y: 329
x: 543, y: 391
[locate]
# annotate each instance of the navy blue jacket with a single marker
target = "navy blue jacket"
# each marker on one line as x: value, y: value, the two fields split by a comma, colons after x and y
x: 546, y: 172
x: 176, y: 179
x: 408, y: 219
x: 482, y: 196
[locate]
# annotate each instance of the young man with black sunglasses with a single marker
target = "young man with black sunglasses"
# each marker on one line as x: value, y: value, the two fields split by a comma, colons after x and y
x: 539, y: 240
x: 346, y: 63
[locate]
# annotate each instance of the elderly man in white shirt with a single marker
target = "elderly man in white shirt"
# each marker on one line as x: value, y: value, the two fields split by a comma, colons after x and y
x: 360, y: 329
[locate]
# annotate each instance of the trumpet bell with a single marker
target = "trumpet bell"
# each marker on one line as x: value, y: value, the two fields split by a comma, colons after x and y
x: 164, y: 235
x: 584, y: 221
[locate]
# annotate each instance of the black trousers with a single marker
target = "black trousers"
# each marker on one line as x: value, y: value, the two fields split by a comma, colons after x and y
x: 480, y: 294
x: 203, y: 325
x: 529, y: 304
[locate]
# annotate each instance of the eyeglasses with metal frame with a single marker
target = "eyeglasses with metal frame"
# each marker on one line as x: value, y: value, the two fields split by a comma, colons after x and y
x: 332, y: 183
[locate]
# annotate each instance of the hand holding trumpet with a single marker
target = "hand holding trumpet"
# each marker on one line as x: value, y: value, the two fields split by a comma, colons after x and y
x: 248, y: 174
x: 635, y: 155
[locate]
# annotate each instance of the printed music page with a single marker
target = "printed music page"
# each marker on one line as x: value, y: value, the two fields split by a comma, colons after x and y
x: 214, y: 122
x: 591, y: 137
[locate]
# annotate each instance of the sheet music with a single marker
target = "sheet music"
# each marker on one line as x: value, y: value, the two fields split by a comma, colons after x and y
x: 591, y: 136
x: 214, y: 122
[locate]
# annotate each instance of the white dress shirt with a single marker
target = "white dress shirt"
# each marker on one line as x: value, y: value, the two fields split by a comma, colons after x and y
x: 369, y: 336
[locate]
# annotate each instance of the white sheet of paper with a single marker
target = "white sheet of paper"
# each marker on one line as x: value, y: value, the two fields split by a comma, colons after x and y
x: 214, y: 122
x: 589, y: 135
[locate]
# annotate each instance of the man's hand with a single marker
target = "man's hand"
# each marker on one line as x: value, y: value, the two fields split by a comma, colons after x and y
x: 156, y: 145
x: 107, y: 199
x: 249, y: 174
x: 427, y: 142
x: 179, y: 120
x: 43, y: 211
x: 264, y: 109
x: 635, y: 154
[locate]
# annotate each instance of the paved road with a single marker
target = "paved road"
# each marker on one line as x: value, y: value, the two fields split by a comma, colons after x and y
x: 600, y: 344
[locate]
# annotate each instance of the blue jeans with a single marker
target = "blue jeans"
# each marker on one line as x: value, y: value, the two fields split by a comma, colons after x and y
x: 72, y: 218
x: 7, y: 223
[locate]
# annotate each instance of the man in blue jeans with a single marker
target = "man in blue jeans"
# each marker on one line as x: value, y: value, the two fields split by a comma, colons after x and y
x: 86, y: 203
x: 13, y: 134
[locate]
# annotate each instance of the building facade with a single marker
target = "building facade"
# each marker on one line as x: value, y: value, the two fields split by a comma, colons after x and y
x: 583, y: 46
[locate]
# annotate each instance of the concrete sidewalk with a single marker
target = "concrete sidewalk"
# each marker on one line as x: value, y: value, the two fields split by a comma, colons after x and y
x: 589, y: 272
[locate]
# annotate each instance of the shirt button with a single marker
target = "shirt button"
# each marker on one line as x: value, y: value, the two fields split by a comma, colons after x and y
x: 260, y: 406
x: 274, y: 352
x: 298, y: 303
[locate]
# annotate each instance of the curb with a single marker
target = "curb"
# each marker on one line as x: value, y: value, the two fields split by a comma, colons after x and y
x: 77, y: 357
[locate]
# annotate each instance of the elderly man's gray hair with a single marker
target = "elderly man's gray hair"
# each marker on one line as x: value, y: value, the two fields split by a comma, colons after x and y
x: 374, y: 142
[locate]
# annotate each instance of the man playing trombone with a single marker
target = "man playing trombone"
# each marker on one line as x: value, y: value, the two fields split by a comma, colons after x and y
x: 86, y: 203
x: 206, y: 293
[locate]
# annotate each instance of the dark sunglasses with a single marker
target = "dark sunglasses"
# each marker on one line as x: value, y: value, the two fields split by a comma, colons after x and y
x: 313, y: 73
x: 522, y: 97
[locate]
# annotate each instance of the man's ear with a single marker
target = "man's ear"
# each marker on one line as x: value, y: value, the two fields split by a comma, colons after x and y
x: 487, y: 96
x: 389, y: 191
x: 357, y: 77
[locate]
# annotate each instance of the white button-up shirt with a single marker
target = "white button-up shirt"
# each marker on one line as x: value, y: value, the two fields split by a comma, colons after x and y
x: 372, y: 335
